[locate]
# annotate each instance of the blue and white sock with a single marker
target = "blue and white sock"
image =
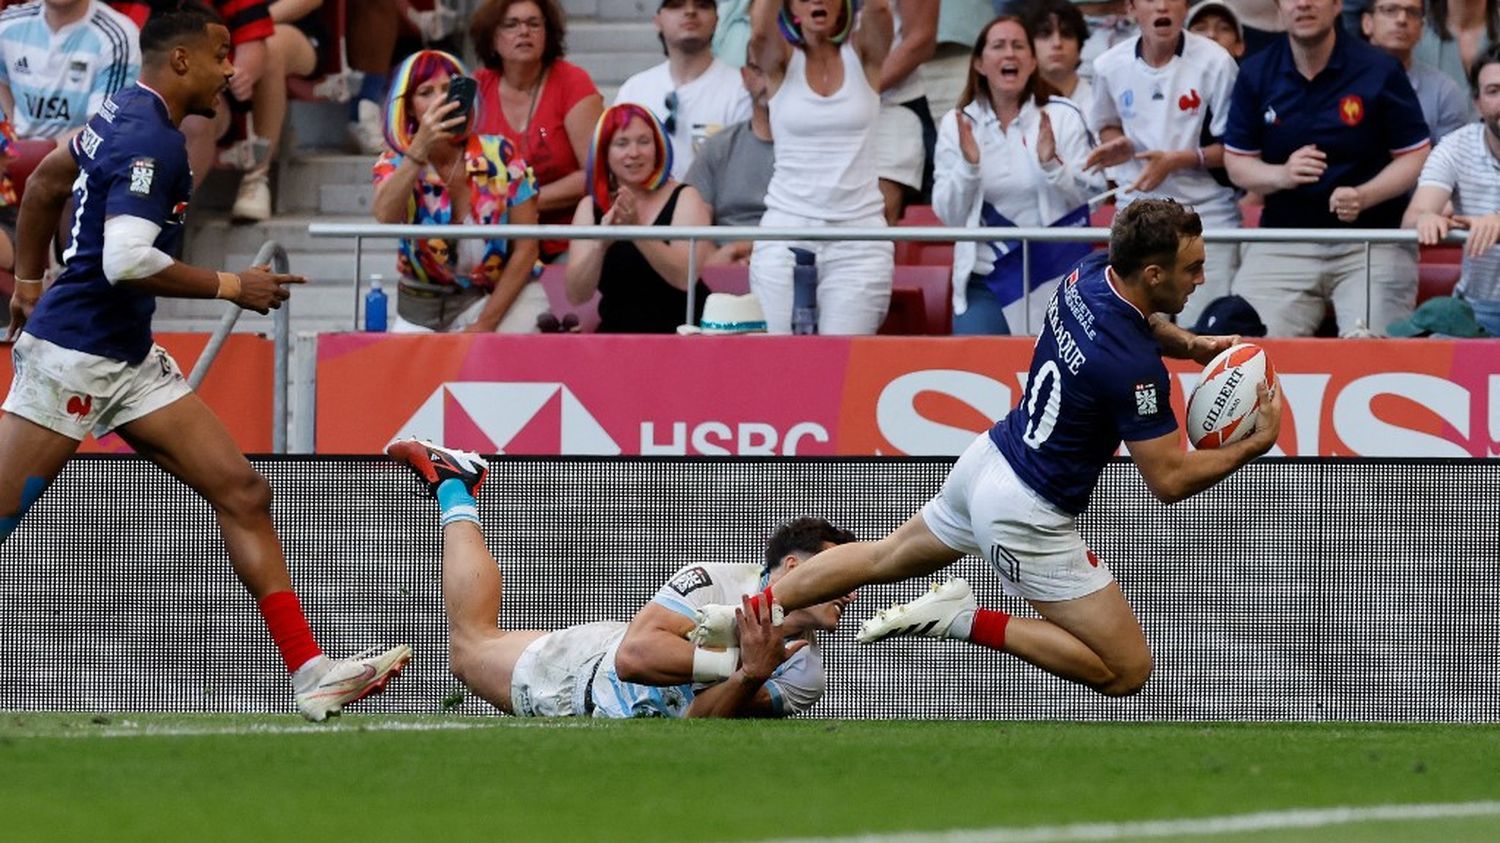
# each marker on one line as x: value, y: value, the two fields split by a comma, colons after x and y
x: 456, y: 502
x: 371, y: 87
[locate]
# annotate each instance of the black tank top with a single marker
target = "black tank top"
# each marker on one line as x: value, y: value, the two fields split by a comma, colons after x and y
x: 633, y: 297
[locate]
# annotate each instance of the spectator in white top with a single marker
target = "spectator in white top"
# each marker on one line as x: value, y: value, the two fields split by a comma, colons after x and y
x: 823, y: 69
x: 1058, y: 30
x: 906, y: 133
x: 1395, y: 26
x: 1012, y: 153
x: 1216, y: 21
x: 692, y: 93
x: 734, y: 168
x: 1161, y: 103
x: 1465, y: 170
x: 59, y: 59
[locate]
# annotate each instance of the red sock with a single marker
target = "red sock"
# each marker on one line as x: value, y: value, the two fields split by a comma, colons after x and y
x: 989, y: 629
x: 283, y: 613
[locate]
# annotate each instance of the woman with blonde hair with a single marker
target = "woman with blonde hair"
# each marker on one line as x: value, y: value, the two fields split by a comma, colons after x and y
x: 438, y: 171
x: 823, y: 65
x: 642, y: 284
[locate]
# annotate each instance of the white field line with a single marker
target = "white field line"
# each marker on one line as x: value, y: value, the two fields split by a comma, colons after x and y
x: 130, y: 729
x: 1196, y: 827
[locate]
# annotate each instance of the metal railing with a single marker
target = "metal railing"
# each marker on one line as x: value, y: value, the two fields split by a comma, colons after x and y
x: 271, y: 254
x: 359, y: 232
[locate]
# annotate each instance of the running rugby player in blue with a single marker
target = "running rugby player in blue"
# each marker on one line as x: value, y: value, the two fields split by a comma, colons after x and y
x: 86, y: 361
x: 1013, y: 497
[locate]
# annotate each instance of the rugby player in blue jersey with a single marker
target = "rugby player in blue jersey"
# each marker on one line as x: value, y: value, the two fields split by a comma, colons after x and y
x: 85, y: 360
x: 1013, y: 497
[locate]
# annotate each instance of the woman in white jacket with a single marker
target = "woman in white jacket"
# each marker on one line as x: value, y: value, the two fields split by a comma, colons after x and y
x: 1011, y: 154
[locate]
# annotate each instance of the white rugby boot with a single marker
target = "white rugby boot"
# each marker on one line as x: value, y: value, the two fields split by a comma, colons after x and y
x: 343, y: 681
x: 929, y: 616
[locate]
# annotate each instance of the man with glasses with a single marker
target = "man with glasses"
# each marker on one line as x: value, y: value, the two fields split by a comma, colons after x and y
x: 1395, y: 26
x: 692, y: 93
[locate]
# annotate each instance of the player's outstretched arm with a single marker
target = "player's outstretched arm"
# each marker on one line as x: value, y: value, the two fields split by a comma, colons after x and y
x: 42, y: 204
x: 762, y: 650
x: 1173, y: 474
x: 131, y: 258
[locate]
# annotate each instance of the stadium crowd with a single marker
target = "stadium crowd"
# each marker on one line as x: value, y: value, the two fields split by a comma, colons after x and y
x: 1301, y: 114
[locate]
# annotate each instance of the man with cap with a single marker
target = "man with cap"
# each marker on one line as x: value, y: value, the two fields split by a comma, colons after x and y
x: 1215, y: 20
x: 692, y: 93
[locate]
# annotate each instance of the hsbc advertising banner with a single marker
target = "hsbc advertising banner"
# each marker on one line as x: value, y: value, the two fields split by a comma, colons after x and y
x: 820, y: 396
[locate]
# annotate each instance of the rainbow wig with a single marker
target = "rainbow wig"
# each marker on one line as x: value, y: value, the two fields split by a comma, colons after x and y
x: 791, y: 28
x: 400, y: 120
x: 596, y: 173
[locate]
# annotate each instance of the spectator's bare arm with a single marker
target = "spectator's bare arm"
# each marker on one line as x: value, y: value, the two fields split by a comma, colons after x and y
x: 585, y: 257
x: 770, y: 50
x: 873, y: 35
x: 288, y: 11
x: 670, y: 259
x: 918, y: 41
x: 1427, y: 213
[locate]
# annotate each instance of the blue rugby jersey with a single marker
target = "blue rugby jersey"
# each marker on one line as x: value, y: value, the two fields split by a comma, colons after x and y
x: 1096, y: 379
x: 131, y: 161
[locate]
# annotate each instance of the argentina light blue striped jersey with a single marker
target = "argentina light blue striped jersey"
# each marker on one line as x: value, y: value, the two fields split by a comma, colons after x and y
x: 58, y: 79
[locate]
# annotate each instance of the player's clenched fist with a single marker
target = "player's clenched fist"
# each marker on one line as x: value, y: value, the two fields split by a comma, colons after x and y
x: 262, y: 290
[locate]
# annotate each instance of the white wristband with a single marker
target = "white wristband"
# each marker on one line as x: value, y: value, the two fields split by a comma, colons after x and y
x: 714, y: 665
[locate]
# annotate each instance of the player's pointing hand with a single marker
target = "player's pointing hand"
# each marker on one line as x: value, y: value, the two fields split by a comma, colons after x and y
x: 262, y: 290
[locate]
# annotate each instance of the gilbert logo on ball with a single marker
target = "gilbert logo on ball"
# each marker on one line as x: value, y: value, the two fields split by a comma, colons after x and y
x: 1224, y: 405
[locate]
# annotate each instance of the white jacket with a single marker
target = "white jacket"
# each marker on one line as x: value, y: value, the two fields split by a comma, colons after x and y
x: 1009, y: 176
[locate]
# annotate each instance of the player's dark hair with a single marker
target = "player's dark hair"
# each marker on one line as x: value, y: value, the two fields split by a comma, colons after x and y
x: 1149, y: 231
x: 803, y: 535
x: 170, y: 25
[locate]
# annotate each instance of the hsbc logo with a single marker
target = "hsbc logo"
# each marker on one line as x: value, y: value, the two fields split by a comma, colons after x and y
x: 489, y: 417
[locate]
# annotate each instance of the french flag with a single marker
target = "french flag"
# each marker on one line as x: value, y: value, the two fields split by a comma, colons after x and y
x: 1049, y: 261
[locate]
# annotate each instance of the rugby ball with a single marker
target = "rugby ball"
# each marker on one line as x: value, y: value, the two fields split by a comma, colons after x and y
x: 1224, y: 406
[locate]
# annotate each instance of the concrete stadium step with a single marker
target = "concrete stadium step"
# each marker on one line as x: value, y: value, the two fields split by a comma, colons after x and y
x: 326, y: 183
x: 212, y: 240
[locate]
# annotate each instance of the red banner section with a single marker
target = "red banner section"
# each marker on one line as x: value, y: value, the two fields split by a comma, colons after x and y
x: 762, y: 396
x: 238, y: 388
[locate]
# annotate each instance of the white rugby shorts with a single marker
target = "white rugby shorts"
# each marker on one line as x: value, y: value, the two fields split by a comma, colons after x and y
x: 986, y: 510
x: 551, y: 677
x: 75, y: 393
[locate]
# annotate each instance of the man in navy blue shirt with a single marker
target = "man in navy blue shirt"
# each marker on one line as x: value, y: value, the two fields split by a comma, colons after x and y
x: 1096, y: 379
x: 86, y: 362
x: 1328, y: 128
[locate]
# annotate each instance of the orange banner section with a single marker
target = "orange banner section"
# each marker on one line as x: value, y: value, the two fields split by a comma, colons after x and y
x: 784, y: 396
x: 238, y: 388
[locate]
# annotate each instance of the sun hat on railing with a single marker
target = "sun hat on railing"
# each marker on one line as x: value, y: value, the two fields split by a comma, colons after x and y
x: 724, y: 313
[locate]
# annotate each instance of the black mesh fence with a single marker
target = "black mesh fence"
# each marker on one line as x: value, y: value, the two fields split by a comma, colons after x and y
x: 1295, y: 590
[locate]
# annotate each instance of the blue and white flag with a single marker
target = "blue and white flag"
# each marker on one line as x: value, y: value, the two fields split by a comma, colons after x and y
x: 1049, y: 261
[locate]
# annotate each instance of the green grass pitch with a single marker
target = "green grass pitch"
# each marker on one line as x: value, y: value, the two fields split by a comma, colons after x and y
x: 439, y: 779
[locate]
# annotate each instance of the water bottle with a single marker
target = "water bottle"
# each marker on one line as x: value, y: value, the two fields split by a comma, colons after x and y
x: 804, y: 293
x: 375, y: 317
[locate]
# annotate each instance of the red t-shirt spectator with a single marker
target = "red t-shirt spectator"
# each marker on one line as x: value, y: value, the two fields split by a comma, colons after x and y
x: 543, y: 142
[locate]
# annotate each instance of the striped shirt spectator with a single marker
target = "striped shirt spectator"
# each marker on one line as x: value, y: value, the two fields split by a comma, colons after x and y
x: 58, y: 63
